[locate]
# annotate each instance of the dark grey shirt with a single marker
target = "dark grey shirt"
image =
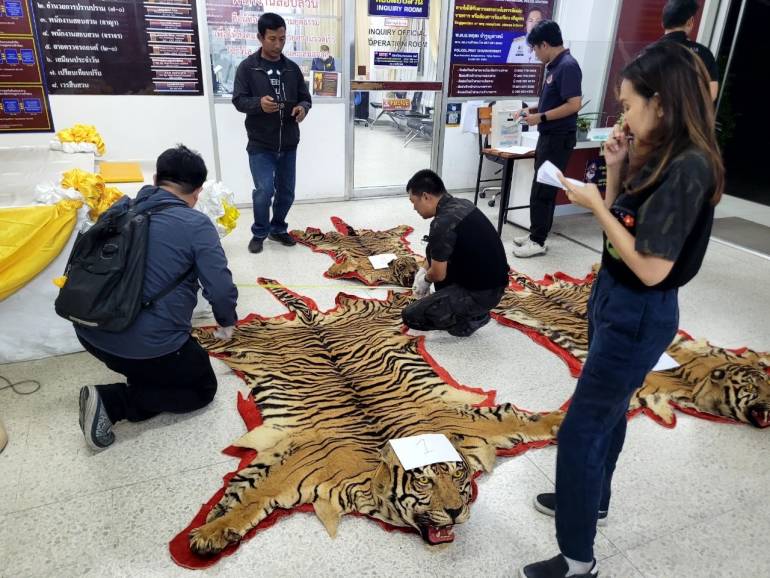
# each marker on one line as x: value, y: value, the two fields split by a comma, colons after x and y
x: 463, y: 237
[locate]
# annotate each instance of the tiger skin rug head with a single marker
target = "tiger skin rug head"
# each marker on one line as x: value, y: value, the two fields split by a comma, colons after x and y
x: 330, y: 389
x: 351, y: 249
x: 710, y: 382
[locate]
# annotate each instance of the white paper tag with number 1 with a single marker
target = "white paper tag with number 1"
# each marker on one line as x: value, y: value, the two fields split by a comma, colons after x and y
x: 423, y: 450
x: 381, y: 261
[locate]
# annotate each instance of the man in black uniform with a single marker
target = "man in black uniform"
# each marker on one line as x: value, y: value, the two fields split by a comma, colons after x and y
x: 466, y: 262
x: 678, y: 22
x: 556, y: 120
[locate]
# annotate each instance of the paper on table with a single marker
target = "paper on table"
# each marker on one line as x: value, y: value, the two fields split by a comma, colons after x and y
x: 517, y: 150
x: 423, y: 450
x: 548, y: 174
x: 665, y: 362
x: 381, y: 261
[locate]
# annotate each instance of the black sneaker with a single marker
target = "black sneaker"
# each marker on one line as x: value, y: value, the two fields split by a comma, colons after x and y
x: 556, y: 567
x: 255, y: 245
x: 546, y: 504
x: 283, y: 238
x: 93, y: 419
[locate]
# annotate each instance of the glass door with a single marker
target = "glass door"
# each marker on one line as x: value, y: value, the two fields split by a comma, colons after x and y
x: 396, y: 93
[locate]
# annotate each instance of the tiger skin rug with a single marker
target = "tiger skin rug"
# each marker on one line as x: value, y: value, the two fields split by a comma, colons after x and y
x: 710, y: 382
x: 351, y: 249
x: 327, y: 391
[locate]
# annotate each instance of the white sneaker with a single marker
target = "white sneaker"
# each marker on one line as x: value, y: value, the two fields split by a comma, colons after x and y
x: 530, y: 249
x: 519, y: 241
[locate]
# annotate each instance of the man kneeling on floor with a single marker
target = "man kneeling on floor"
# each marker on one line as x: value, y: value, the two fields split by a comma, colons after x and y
x: 165, y: 368
x: 465, y: 259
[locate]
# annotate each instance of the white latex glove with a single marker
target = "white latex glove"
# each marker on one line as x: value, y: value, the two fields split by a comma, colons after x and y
x: 420, y: 287
x: 224, y: 332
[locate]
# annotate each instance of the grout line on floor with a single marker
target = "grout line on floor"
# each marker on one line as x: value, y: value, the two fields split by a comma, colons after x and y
x: 118, y: 487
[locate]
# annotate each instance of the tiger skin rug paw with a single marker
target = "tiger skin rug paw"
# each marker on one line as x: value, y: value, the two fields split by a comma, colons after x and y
x: 329, y: 390
x: 351, y: 248
x: 710, y: 382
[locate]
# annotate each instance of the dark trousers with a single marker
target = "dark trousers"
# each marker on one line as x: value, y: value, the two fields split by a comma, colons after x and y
x: 274, y: 175
x: 628, y: 330
x: 179, y: 382
x: 556, y: 148
x: 452, y: 308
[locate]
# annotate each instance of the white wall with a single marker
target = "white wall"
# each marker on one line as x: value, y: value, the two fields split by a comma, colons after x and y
x: 133, y: 127
x: 588, y: 29
x: 320, y: 155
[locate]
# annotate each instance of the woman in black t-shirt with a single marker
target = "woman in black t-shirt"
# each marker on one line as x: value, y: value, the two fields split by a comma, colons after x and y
x: 664, y: 177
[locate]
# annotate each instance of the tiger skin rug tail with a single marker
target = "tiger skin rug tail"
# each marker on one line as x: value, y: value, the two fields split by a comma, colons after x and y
x: 710, y: 382
x: 328, y: 390
x: 351, y: 248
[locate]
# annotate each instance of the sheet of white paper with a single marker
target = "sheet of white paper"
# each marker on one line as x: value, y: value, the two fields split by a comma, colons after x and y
x: 665, y: 362
x: 548, y: 174
x: 423, y: 450
x: 517, y: 150
x: 381, y: 261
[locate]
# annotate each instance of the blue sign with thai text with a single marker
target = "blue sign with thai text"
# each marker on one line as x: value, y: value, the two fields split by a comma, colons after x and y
x: 11, y: 106
x: 27, y: 56
x: 13, y: 9
x: 33, y: 105
x: 399, y: 8
x: 400, y: 59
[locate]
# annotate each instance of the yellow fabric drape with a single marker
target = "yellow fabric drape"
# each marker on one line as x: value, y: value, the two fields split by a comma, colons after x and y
x: 98, y: 196
x: 82, y: 133
x: 30, y: 238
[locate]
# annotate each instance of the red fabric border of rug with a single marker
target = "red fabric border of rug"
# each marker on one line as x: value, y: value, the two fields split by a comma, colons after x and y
x: 179, y: 546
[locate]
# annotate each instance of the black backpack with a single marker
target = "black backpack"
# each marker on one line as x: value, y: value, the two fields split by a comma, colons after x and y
x: 105, y: 270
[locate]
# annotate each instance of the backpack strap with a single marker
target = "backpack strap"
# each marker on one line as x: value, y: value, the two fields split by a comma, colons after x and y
x: 168, y: 289
x: 173, y: 285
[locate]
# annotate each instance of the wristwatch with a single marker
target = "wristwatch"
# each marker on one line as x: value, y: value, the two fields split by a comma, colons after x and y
x: 543, y: 118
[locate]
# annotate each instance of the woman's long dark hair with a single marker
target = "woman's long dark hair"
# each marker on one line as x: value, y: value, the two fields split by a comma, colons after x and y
x: 679, y: 78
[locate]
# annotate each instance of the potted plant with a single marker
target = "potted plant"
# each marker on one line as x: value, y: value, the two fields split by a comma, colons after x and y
x: 583, y: 126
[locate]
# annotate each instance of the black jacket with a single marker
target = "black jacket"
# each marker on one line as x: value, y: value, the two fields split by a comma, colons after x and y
x: 276, y: 131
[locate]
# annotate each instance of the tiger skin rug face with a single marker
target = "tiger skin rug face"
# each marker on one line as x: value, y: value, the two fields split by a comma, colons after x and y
x: 351, y: 248
x: 331, y: 389
x: 710, y: 382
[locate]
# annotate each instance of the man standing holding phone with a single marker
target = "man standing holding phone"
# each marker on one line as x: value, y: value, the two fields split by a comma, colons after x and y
x: 271, y: 90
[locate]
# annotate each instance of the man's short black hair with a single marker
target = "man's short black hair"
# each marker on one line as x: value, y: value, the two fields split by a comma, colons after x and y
x: 426, y: 181
x: 183, y: 167
x: 676, y: 13
x: 324, y: 47
x: 270, y: 21
x: 545, y: 31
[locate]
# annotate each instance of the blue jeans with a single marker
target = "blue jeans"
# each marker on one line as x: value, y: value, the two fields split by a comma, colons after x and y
x: 274, y: 175
x: 628, y: 330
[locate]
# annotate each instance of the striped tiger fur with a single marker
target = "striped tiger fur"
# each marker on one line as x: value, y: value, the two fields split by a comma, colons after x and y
x: 351, y: 249
x: 333, y: 387
x: 552, y: 311
x: 710, y: 381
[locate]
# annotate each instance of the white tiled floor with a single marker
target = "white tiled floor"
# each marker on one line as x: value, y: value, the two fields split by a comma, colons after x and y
x: 382, y: 160
x: 691, y: 501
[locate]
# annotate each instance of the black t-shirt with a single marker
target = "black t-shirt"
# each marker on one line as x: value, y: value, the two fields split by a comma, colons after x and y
x: 703, y: 52
x: 462, y: 236
x: 274, y: 70
x: 563, y: 80
x: 671, y: 219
